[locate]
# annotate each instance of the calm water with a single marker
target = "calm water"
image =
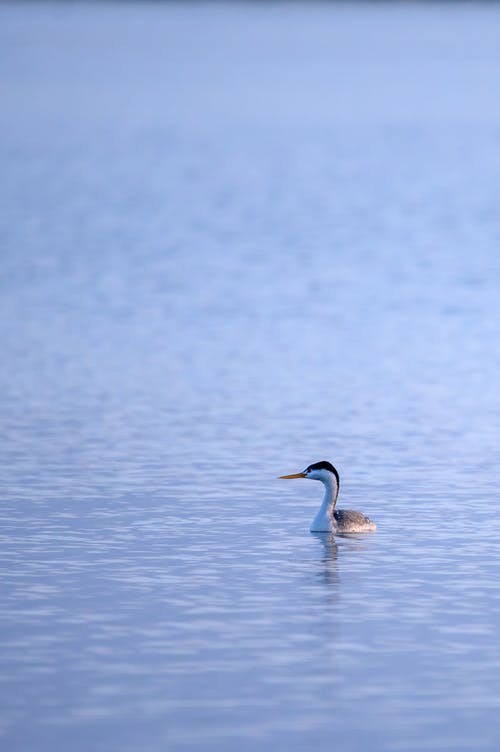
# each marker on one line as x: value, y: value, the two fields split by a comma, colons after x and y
x: 237, y: 240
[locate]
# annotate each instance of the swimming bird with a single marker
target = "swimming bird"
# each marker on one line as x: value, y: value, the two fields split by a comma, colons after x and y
x: 329, y: 519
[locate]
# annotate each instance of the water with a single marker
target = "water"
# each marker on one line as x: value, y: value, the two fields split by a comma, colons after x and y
x: 238, y: 239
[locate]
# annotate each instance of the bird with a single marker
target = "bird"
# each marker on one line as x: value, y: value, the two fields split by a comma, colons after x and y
x: 329, y: 519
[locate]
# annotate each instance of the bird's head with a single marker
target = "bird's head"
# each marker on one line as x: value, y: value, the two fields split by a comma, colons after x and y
x: 322, y: 471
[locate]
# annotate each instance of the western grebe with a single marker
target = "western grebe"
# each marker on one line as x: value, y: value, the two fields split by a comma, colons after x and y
x: 329, y: 519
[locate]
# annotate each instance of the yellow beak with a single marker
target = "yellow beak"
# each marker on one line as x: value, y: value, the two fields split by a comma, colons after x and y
x: 289, y: 477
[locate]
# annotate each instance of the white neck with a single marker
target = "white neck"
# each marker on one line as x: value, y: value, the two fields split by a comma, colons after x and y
x: 324, y: 522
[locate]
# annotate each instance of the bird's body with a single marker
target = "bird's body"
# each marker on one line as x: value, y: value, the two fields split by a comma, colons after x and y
x: 349, y: 521
x: 329, y: 519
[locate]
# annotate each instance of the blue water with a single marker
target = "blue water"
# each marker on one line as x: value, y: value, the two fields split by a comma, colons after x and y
x: 237, y: 239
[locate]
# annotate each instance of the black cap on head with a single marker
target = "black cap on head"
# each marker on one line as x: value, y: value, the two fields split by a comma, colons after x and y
x: 324, y: 465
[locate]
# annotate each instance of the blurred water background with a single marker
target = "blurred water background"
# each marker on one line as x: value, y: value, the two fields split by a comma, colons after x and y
x: 237, y: 239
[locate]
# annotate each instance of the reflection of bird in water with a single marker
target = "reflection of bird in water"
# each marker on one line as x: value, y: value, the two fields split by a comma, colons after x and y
x: 329, y: 519
x: 328, y: 572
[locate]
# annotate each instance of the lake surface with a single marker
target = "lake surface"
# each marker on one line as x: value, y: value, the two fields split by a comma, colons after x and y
x: 238, y: 239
